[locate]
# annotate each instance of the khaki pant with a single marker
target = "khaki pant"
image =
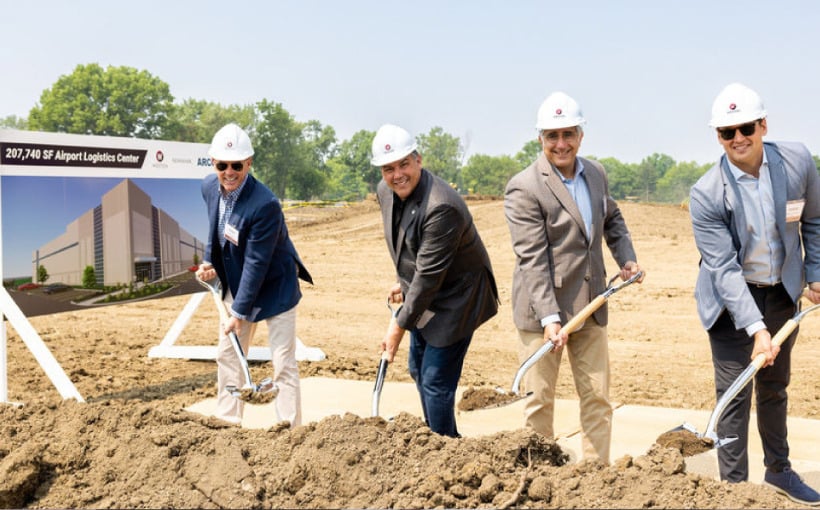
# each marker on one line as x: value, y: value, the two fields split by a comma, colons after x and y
x: 282, y: 341
x: 589, y: 360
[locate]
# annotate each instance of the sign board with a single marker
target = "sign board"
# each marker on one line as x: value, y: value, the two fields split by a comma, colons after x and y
x: 131, y: 210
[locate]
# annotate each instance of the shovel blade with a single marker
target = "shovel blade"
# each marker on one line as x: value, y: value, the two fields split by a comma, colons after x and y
x: 718, y: 442
x: 377, y: 389
x: 261, y: 393
x: 475, y: 399
x: 686, y: 426
x: 508, y: 399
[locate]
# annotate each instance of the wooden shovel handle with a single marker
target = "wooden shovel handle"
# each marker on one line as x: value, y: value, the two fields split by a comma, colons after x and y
x: 578, y: 319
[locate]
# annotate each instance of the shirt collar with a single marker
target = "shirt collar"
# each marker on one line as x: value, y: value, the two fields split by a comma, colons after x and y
x: 579, y: 171
x: 738, y: 174
x: 233, y: 195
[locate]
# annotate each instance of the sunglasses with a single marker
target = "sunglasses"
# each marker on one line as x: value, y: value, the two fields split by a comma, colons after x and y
x: 236, y: 166
x: 745, y: 130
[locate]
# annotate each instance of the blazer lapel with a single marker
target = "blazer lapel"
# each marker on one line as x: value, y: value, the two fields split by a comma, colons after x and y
x: 411, y: 209
x: 777, y: 174
x: 387, y: 221
x: 595, y: 184
x: 552, y: 180
x: 213, y: 213
x: 734, y: 207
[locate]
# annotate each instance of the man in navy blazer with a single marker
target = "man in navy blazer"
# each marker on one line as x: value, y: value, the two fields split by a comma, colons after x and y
x: 754, y: 214
x: 445, y: 280
x: 249, y: 250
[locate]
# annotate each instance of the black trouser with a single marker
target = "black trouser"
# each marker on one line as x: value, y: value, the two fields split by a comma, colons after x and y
x: 731, y: 354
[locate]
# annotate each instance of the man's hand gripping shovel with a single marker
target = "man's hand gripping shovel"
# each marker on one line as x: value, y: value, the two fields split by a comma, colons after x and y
x: 261, y: 393
x: 697, y: 442
x: 503, y: 398
x: 382, y: 372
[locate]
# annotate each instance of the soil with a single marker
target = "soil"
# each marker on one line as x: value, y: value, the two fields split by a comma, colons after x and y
x: 486, y: 398
x: 685, y: 441
x: 132, y: 445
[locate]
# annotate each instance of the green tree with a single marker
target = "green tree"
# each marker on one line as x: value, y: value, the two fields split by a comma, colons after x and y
x: 276, y: 140
x: 89, y: 279
x: 488, y: 175
x: 650, y: 170
x: 14, y: 122
x: 116, y: 101
x: 675, y: 184
x: 197, y: 121
x: 816, y: 161
x: 42, y: 274
x: 343, y: 183
x: 528, y: 153
x: 441, y: 154
x: 308, y: 176
x: 624, y: 179
x: 351, y: 174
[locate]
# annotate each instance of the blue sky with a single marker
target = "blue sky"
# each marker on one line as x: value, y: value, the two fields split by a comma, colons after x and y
x: 644, y: 72
x: 38, y: 209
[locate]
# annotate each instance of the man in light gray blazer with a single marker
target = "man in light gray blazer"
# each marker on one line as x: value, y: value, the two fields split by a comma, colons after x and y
x: 750, y: 213
x: 559, y: 212
x: 445, y: 280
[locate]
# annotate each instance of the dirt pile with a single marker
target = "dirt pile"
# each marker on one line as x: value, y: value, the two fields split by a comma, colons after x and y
x: 120, y: 454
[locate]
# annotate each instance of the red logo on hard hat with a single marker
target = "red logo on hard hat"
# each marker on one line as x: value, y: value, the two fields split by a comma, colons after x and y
x: 387, y: 147
x: 558, y: 111
x: 230, y: 144
x: 732, y: 106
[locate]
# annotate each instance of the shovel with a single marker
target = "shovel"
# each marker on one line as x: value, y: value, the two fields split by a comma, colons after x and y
x: 260, y: 393
x: 382, y: 371
x: 499, y: 398
x: 711, y: 436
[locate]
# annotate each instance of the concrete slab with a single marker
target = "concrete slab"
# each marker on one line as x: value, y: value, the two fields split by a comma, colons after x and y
x: 634, y: 428
x: 323, y: 397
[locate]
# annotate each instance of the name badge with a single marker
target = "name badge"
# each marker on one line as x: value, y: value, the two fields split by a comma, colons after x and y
x: 794, y: 210
x: 231, y: 234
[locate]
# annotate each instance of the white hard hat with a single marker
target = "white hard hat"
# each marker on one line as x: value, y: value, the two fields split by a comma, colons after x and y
x: 231, y: 143
x: 559, y: 111
x: 736, y: 104
x: 390, y: 144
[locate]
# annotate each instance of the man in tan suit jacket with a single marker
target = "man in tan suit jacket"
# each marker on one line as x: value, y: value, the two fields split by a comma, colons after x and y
x: 559, y: 211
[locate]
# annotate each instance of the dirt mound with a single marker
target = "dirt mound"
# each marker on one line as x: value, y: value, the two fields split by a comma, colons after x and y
x: 125, y: 455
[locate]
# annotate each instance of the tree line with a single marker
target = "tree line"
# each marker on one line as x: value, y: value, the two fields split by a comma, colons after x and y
x: 306, y: 160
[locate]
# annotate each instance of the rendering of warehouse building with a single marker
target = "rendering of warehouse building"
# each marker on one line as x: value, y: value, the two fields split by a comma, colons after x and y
x: 125, y: 239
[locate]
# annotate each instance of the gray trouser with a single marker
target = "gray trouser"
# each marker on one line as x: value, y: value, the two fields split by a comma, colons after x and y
x: 731, y: 354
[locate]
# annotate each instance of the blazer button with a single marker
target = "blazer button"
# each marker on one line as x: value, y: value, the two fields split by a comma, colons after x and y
x: 587, y: 278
